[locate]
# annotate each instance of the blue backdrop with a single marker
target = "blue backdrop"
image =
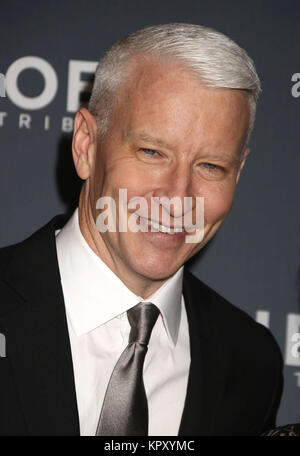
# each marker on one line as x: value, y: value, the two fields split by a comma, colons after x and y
x: 48, y: 54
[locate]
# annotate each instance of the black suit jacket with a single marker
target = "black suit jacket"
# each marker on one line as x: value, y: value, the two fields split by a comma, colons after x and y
x: 235, y: 379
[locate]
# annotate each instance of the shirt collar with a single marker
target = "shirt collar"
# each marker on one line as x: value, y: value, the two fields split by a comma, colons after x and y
x: 94, y: 294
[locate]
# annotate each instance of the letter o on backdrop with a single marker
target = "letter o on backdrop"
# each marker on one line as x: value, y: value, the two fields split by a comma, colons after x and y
x: 48, y: 74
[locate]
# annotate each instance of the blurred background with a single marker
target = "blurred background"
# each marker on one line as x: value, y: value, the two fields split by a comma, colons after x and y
x: 48, y: 54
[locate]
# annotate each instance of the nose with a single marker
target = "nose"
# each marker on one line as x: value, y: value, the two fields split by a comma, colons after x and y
x: 177, y: 189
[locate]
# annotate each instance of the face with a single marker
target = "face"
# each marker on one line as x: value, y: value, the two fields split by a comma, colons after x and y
x: 169, y: 136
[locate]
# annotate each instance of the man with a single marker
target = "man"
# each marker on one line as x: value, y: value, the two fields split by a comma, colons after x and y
x: 170, y: 116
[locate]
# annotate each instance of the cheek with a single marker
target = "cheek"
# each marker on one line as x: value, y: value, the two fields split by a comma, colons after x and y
x: 97, y: 179
x: 127, y: 174
x: 138, y: 181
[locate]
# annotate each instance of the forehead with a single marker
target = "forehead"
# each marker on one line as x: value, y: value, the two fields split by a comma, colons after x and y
x: 164, y: 99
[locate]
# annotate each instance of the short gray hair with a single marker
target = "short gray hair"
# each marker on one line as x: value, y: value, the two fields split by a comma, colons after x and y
x: 216, y: 59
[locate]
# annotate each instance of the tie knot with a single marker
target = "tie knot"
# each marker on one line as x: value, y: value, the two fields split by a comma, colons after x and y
x: 142, y: 318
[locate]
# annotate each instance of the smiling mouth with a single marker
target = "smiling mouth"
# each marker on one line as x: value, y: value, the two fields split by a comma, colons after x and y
x: 161, y: 228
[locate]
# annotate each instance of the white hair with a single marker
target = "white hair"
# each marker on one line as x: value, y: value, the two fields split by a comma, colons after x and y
x: 217, y: 60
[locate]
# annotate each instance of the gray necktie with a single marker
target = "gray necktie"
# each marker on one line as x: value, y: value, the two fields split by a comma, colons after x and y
x: 125, y: 406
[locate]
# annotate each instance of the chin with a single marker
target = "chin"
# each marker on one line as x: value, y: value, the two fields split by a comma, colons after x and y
x: 155, y: 271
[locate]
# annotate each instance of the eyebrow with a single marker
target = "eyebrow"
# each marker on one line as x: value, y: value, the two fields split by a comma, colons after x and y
x: 147, y: 138
x: 220, y: 157
x: 160, y: 143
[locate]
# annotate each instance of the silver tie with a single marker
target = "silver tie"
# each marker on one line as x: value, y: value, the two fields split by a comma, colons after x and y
x: 125, y: 406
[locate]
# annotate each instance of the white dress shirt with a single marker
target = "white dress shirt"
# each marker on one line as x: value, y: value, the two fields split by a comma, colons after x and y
x: 96, y: 302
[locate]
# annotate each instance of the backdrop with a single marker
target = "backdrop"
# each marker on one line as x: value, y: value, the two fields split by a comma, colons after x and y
x: 48, y: 55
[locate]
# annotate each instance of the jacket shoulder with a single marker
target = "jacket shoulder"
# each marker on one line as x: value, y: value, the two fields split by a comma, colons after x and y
x: 6, y: 254
x: 248, y: 348
x: 29, y: 246
x: 234, y: 324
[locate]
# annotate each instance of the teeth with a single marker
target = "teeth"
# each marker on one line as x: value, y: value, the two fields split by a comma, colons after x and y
x: 162, y: 228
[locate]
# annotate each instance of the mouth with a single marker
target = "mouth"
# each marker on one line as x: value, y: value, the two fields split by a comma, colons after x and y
x: 162, y: 228
x: 159, y: 227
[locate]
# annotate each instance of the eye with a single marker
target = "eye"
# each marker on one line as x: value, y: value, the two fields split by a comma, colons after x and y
x: 151, y: 156
x: 210, y: 166
x: 211, y: 171
x: 149, y: 151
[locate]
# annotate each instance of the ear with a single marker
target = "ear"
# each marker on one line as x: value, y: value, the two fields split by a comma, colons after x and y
x: 241, y: 166
x: 84, y: 144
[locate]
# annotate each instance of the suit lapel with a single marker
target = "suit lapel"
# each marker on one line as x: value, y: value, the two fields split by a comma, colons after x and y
x: 209, y: 362
x: 37, y: 337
